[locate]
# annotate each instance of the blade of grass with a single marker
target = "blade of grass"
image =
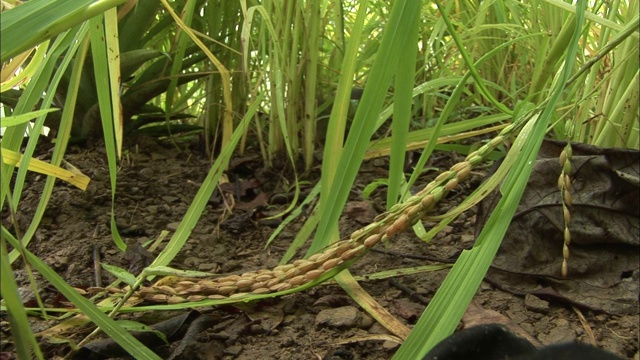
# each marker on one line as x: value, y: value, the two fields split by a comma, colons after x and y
x: 77, y: 179
x: 227, y: 125
x: 589, y: 15
x: 452, y: 298
x: 403, y: 20
x: 338, y: 119
x: 23, y: 118
x: 33, y: 22
x: 9, y: 76
x: 419, y: 139
x: 176, y: 64
x: 402, y: 108
x: 39, y: 84
x: 336, y: 127
x: 37, y: 129
x: 106, y: 100
x: 113, y: 65
x: 362, y: 128
x: 469, y: 63
x: 108, y: 325
x: 209, y: 184
x: 61, y: 142
x: 20, y: 327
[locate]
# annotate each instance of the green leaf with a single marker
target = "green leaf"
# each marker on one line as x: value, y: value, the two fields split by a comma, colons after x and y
x: 131, y: 325
x: 20, y: 327
x: 106, y: 101
x: 122, y: 274
x: 372, y: 186
x: 453, y: 297
x: 35, y: 21
x: 206, y: 190
x: 108, y: 325
x: 23, y: 118
x: 35, y: 87
x: 336, y: 190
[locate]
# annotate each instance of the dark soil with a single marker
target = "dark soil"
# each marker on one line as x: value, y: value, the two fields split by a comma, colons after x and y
x: 157, y: 183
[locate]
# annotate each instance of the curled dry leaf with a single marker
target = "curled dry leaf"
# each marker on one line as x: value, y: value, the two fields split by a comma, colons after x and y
x: 603, y: 266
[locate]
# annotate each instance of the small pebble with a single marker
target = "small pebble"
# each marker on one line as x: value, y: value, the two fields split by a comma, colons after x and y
x: 173, y: 226
x: 207, y: 266
x: 560, y: 334
x: 234, y: 350
x: 376, y: 328
x: 467, y: 238
x: 343, y: 317
x: 535, y: 304
x: 390, y: 345
x: 289, y: 342
x: 147, y: 173
x: 170, y: 199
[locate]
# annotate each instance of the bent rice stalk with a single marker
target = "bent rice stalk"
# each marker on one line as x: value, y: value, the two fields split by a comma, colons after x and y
x: 337, y: 256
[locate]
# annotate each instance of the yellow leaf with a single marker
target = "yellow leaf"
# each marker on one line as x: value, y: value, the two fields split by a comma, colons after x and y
x: 75, y: 178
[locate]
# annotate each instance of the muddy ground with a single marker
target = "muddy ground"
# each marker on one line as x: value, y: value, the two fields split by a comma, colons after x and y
x: 156, y: 184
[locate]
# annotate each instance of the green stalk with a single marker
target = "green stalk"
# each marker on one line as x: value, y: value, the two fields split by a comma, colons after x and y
x: 27, y: 346
x: 617, y: 129
x: 403, y: 100
x: 176, y: 62
x: 401, y: 17
x: 559, y: 47
x: 469, y: 62
x: 292, y: 81
x: 311, y: 81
